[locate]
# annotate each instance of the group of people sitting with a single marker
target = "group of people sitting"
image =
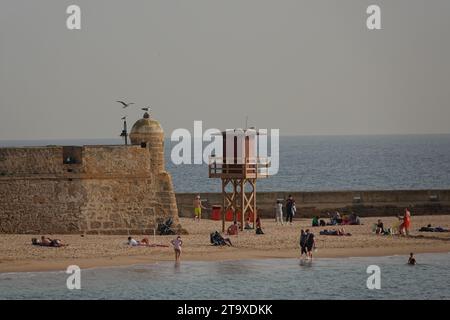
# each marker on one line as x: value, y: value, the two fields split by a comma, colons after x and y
x: 336, y: 219
x: 338, y: 232
x: 47, y: 242
x: 234, y: 228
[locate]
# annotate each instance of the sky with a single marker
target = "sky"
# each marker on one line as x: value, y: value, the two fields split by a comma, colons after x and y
x: 304, y: 67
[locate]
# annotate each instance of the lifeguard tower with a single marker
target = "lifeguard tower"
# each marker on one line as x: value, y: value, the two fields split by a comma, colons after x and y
x: 239, y: 167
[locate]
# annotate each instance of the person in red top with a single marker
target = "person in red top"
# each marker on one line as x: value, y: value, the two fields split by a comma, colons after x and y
x: 233, y: 229
x: 406, y: 224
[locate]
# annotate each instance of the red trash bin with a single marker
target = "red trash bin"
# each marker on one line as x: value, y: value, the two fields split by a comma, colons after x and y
x: 215, y: 213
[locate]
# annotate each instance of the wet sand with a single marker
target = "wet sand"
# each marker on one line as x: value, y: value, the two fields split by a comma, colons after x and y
x: 18, y: 255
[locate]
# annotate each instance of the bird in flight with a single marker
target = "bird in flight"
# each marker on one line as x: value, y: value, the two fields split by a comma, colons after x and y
x: 124, y: 118
x: 125, y: 105
x: 146, y: 109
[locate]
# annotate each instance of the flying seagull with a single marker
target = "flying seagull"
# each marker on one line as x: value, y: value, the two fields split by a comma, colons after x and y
x: 124, y: 118
x: 125, y: 105
x: 146, y: 109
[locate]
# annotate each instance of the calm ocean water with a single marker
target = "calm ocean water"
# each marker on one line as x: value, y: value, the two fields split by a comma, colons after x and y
x: 247, y: 279
x: 319, y: 163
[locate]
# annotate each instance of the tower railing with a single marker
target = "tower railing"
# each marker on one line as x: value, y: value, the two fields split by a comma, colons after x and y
x: 234, y: 167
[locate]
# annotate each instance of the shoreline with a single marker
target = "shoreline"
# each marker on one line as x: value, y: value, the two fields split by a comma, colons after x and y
x: 25, y: 266
x: 279, y: 242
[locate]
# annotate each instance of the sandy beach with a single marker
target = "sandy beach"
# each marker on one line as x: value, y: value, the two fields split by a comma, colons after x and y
x: 18, y: 255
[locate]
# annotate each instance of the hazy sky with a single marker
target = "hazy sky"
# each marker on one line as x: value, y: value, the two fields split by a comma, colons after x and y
x: 305, y: 67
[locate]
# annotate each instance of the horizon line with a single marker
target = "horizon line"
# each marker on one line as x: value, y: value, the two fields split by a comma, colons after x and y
x: 281, y: 135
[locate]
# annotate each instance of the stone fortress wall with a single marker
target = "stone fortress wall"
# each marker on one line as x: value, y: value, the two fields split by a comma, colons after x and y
x: 90, y: 189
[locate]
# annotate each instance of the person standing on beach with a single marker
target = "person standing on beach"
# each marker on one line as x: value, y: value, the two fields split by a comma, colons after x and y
x: 198, y: 208
x: 310, y: 244
x: 303, y: 243
x: 404, y: 227
x: 290, y: 207
x: 279, y: 212
x: 177, y: 243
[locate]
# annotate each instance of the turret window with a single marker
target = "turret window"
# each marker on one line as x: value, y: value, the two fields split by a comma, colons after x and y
x: 72, y: 155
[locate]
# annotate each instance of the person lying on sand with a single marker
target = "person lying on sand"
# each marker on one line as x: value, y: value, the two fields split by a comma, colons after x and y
x: 339, y: 232
x: 143, y: 243
x: 429, y: 228
x: 47, y: 242
x: 134, y: 243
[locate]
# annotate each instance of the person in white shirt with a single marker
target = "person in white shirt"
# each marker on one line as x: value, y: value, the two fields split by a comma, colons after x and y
x: 279, y: 212
x: 177, y: 243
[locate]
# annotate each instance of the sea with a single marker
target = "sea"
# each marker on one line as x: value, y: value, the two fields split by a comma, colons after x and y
x: 324, y: 163
x: 271, y: 279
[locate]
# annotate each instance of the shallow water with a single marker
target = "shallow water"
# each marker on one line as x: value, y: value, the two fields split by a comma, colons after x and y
x: 343, y: 278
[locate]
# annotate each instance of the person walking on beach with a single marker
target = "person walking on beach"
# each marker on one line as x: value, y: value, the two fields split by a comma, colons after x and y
x: 279, y: 212
x: 177, y: 243
x: 310, y: 244
x: 290, y: 207
x: 303, y: 243
x: 198, y: 208
x: 404, y: 227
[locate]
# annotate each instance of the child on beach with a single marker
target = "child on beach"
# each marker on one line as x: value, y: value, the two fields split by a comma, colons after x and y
x: 177, y: 243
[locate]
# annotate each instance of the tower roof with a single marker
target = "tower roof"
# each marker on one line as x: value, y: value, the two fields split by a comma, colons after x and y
x: 146, y: 125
